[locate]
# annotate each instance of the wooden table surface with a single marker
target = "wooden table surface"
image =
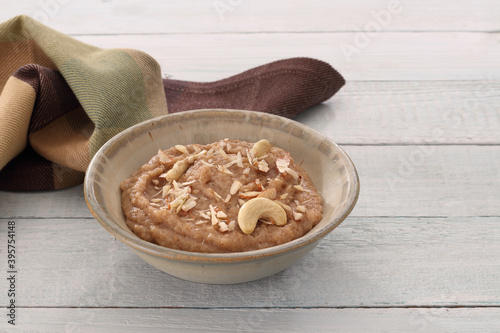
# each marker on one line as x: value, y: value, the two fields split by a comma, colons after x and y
x: 419, y: 115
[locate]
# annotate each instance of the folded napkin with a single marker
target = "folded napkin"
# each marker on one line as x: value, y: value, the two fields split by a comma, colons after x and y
x: 61, y: 99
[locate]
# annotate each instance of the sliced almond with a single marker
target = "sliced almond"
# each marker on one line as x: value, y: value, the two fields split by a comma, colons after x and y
x: 263, y: 166
x: 204, y: 215
x: 282, y: 164
x: 164, y: 158
x: 222, y: 152
x: 250, y: 157
x: 223, y: 169
x: 221, y: 215
x: 189, y: 204
x: 270, y: 193
x: 239, y: 160
x: 286, y: 207
x: 218, y: 195
x: 250, y: 194
x: 292, y: 173
x: 165, y: 189
x: 213, y: 215
x: 235, y: 187
x: 207, y: 164
x: 223, y: 227
x: 299, y: 188
x: 283, y: 196
x: 301, y: 208
x: 297, y: 216
x: 182, y: 149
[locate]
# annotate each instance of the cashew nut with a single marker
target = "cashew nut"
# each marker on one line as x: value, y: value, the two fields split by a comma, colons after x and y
x: 261, y: 147
x: 257, y: 208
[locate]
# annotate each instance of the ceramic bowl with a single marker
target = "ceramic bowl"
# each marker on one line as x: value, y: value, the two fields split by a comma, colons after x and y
x: 329, y: 167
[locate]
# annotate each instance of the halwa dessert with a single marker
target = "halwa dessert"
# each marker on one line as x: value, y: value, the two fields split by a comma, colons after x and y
x: 228, y: 196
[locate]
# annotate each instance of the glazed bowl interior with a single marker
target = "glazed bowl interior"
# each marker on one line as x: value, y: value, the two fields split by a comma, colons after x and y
x: 329, y: 167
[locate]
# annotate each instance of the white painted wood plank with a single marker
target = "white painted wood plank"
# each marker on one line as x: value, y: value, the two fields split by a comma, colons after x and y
x: 427, y: 180
x: 66, y: 203
x: 427, y: 112
x: 385, y: 56
x: 395, y: 181
x: 261, y: 320
x: 365, y: 262
x: 119, y: 17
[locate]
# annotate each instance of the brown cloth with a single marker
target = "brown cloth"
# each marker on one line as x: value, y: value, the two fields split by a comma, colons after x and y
x: 60, y: 106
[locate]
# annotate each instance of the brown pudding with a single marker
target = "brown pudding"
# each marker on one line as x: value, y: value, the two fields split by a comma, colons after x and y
x: 189, y: 197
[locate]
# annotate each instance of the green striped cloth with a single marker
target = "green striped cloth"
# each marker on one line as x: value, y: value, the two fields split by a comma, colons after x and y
x: 61, y: 99
x: 115, y: 88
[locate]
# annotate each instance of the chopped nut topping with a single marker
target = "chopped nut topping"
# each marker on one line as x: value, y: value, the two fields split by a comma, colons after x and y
x: 218, y: 195
x: 165, y: 190
x: 230, y: 164
x: 164, y: 158
x: 250, y: 157
x: 176, y: 196
x: 235, y: 187
x: 223, y: 227
x: 223, y: 169
x: 206, y: 163
x: 204, y: 215
x: 239, y: 160
x: 248, y: 195
x: 182, y: 149
x: 213, y: 215
x: 299, y: 188
x: 286, y: 207
x: 222, y: 152
x: 292, y: 173
x: 189, y: 204
x: 263, y: 166
x: 301, y: 208
x: 297, y: 216
x: 221, y: 215
x: 282, y: 164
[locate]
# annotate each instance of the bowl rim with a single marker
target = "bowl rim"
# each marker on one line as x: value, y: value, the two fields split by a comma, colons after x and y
x: 214, y: 258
